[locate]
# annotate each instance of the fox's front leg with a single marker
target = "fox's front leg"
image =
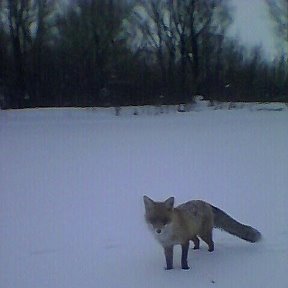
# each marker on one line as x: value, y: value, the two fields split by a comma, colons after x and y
x: 185, y: 248
x: 169, y: 257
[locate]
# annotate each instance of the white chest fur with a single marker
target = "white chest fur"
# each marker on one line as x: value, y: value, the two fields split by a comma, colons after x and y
x: 166, y: 237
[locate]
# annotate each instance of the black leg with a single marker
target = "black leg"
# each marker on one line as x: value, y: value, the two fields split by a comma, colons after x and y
x: 207, y: 237
x: 185, y: 248
x: 169, y: 257
x: 196, y: 242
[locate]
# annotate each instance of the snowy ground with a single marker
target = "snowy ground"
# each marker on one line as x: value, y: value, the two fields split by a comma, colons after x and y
x: 72, y: 181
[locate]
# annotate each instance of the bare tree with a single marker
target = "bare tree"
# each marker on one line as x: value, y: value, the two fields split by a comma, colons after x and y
x: 19, y: 21
x: 178, y: 30
x: 27, y: 20
x: 149, y: 16
x: 279, y: 12
x: 43, y: 13
x: 89, y: 34
x: 178, y: 10
x: 206, y: 18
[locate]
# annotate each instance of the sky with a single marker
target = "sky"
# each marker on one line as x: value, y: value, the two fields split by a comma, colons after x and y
x: 253, y: 25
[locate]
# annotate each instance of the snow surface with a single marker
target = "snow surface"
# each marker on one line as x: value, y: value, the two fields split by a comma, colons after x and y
x: 72, y: 181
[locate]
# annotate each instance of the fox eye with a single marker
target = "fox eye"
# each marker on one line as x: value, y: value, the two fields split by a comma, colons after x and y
x: 153, y: 220
x: 165, y: 221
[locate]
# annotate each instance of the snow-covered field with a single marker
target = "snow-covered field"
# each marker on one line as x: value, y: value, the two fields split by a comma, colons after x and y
x: 72, y: 181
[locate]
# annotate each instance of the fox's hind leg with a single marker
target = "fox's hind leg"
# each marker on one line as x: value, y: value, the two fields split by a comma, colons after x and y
x: 185, y: 248
x: 196, y: 242
x: 207, y: 237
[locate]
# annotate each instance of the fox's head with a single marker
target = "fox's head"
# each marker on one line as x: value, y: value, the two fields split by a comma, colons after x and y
x: 158, y: 214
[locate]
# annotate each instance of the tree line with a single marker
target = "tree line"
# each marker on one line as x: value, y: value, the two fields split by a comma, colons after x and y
x: 119, y: 52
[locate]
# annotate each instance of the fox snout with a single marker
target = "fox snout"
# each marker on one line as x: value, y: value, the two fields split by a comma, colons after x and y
x: 159, y: 229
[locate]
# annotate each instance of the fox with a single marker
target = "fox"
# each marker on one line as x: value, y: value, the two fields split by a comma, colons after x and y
x: 188, y: 222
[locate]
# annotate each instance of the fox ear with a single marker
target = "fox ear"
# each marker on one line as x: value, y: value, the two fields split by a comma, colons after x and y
x: 169, y: 203
x: 149, y: 203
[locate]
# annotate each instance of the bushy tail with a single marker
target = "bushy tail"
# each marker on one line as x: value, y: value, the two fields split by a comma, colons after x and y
x: 230, y: 225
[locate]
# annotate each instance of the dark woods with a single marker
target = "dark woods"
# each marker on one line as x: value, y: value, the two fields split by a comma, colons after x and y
x: 116, y: 52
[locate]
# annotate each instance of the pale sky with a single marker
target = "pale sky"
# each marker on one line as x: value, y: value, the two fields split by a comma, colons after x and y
x: 253, y: 26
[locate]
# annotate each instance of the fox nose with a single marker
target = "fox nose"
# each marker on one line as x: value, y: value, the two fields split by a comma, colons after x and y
x: 158, y: 231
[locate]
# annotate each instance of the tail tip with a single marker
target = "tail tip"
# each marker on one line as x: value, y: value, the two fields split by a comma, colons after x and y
x: 258, y: 236
x: 255, y: 236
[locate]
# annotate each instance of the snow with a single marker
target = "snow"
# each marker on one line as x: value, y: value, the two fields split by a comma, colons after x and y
x: 72, y: 181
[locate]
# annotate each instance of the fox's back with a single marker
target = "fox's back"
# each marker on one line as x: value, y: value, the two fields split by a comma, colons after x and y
x: 195, y: 208
x: 196, y: 216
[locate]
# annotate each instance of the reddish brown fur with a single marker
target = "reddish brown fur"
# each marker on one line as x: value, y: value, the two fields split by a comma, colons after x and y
x: 179, y: 225
x: 189, y: 221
